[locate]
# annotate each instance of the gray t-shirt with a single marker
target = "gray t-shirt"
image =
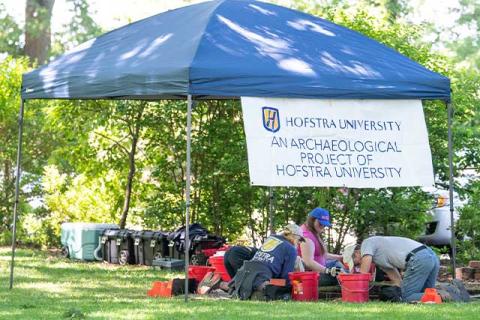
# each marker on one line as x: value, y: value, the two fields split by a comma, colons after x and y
x: 388, y: 252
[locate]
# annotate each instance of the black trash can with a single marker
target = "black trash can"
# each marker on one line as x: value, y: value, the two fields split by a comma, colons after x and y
x: 174, y: 252
x: 109, y: 245
x: 125, y: 247
x: 161, y: 249
x: 138, y: 247
x: 155, y: 246
x: 149, y: 245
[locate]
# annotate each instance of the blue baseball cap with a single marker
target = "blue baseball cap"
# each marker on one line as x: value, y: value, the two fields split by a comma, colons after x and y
x: 322, y: 215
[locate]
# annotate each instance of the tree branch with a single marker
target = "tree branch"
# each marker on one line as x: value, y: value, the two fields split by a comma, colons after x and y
x: 117, y: 143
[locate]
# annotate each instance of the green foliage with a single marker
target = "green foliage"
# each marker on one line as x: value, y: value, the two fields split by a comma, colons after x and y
x: 222, y: 198
x: 36, y: 146
x: 467, y: 158
x: 79, y: 29
x: 393, y: 9
x: 468, y: 226
x: 220, y: 168
x: 320, y: 8
x: 467, y: 48
x: 467, y: 118
x: 71, y: 199
x: 88, y: 146
x: 10, y: 33
x: 399, y: 212
x: 387, y: 11
x: 97, y: 139
x: 166, y: 158
x: 39, y: 143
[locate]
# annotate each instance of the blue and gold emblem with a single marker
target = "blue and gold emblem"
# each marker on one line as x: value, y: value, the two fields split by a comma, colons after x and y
x: 270, y: 244
x: 271, y: 119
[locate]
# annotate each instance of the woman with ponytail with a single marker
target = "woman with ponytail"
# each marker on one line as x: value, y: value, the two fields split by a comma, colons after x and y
x: 314, y: 252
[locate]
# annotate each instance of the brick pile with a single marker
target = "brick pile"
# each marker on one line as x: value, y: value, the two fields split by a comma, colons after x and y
x: 470, y: 273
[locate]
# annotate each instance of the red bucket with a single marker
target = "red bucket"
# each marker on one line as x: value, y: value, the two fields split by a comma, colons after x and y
x: 355, y: 286
x: 217, y: 263
x: 304, y: 285
x: 211, y: 252
x: 198, y: 272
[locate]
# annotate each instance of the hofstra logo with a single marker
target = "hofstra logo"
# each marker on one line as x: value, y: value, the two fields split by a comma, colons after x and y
x: 271, y: 119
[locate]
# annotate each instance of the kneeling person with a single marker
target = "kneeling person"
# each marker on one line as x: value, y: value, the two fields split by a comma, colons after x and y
x: 275, y: 259
x: 235, y: 256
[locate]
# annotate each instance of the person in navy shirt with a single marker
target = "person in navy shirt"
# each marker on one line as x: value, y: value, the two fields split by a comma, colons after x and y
x: 278, y: 253
x: 275, y: 259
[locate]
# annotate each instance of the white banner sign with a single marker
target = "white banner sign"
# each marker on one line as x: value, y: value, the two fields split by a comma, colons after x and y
x: 352, y: 143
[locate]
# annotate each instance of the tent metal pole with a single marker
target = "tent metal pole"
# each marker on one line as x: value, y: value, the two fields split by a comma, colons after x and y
x: 270, y: 210
x: 450, y: 187
x: 17, y: 188
x: 187, y: 192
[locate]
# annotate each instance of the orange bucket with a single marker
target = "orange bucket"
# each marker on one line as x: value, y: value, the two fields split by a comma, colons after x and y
x: 304, y: 285
x: 217, y: 263
x: 355, y: 286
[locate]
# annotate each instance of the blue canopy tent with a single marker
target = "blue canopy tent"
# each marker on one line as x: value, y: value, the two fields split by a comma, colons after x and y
x: 225, y: 49
x: 233, y: 48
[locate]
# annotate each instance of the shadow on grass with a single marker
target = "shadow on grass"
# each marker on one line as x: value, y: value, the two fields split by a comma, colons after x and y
x: 19, y: 252
x: 72, y: 272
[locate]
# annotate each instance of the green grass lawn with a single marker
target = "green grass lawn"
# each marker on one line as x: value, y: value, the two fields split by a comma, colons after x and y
x: 49, y: 287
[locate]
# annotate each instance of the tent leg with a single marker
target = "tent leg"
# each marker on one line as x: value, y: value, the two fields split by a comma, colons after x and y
x: 17, y: 189
x: 270, y: 211
x: 450, y: 187
x: 187, y: 192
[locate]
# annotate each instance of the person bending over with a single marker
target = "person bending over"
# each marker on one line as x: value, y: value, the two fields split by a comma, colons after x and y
x: 395, y: 254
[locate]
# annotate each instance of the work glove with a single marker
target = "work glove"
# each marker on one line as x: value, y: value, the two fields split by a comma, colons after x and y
x: 334, y: 272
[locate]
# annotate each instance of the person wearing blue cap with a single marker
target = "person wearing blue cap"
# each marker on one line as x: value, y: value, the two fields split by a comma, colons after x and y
x: 314, y: 252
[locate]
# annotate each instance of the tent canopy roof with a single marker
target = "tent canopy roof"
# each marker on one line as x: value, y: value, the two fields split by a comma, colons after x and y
x: 233, y: 48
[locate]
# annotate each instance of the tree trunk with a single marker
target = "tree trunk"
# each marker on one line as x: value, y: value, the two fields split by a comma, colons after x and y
x: 251, y: 221
x: 38, y: 15
x: 271, y: 228
x: 128, y: 189
x: 135, y: 133
x: 6, y: 174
